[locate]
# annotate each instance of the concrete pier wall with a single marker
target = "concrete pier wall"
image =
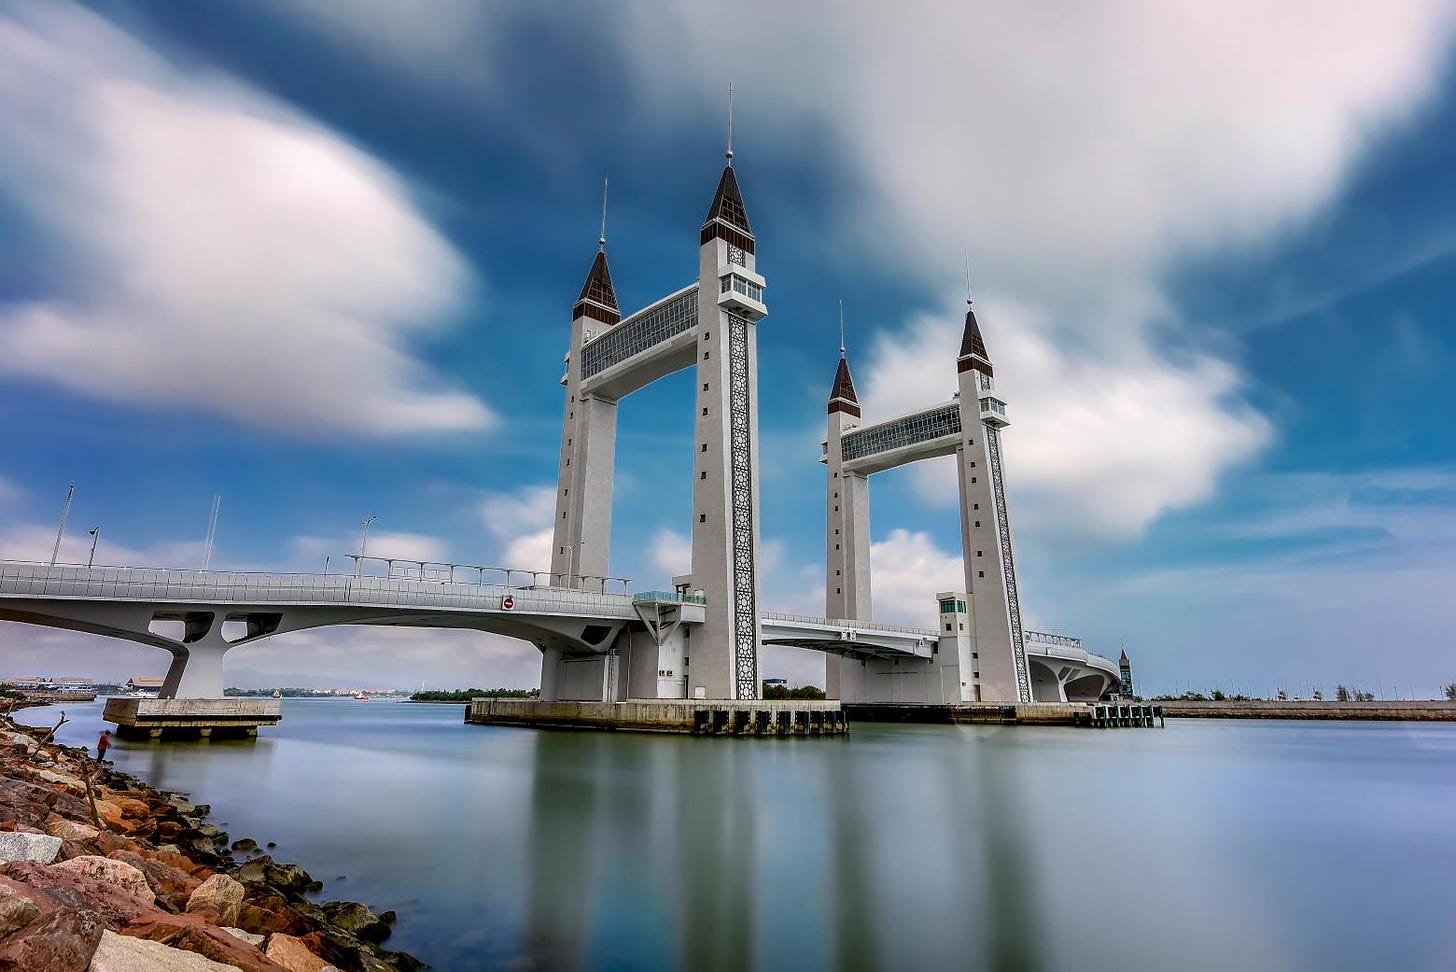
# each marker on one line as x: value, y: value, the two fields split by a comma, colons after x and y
x: 688, y: 716
x: 1411, y: 711
x: 196, y: 717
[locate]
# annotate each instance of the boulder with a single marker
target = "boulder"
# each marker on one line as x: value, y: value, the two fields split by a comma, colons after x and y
x: 119, y: 873
x: 172, y: 885
x: 246, y: 936
x: 293, y: 955
x: 51, y: 776
x: 219, y: 897
x: 245, y: 844
x: 70, y: 829
x: 76, y: 890
x: 193, y: 933
x: 41, y: 848
x: 121, y: 953
x: 290, y: 880
x: 16, y: 911
x: 357, y: 920
x: 60, y: 941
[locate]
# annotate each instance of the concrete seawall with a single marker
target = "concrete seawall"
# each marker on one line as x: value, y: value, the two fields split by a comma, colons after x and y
x: 687, y: 716
x: 1428, y: 711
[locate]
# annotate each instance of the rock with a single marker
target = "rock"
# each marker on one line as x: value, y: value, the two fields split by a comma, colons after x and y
x: 172, y: 885
x: 70, y: 829
x: 51, y: 776
x: 61, y: 941
x: 293, y: 955
x: 41, y: 848
x: 16, y: 911
x: 248, y: 937
x: 58, y: 888
x: 356, y: 919
x: 246, y: 844
x: 289, y: 879
x: 193, y: 933
x: 122, y: 953
x: 219, y: 897
x: 119, y: 873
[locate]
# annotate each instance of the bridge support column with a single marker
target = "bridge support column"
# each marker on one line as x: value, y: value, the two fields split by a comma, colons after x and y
x: 196, y: 669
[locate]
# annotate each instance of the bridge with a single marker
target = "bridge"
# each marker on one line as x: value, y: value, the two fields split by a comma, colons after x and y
x: 601, y: 642
x: 199, y: 615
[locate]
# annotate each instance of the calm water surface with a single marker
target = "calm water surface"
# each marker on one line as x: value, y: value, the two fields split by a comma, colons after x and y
x: 1207, y: 845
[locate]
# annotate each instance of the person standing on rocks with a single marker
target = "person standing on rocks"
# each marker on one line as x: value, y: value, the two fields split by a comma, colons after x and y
x: 102, y: 745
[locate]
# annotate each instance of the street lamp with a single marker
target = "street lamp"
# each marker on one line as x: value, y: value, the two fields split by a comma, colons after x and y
x: 364, y: 543
x: 61, y: 533
x: 95, y: 538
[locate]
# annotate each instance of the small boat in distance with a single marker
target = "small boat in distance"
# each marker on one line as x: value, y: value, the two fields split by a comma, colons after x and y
x: 277, y: 694
x: 361, y: 697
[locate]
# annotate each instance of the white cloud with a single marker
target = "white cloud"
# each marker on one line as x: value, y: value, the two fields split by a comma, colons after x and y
x: 907, y: 571
x: 220, y: 251
x: 521, y: 522
x: 34, y: 543
x: 672, y: 552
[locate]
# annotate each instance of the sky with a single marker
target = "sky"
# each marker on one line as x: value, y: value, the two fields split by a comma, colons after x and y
x: 319, y: 256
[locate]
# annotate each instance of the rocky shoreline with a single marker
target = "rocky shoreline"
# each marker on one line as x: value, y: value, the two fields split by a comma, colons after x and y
x: 99, y: 871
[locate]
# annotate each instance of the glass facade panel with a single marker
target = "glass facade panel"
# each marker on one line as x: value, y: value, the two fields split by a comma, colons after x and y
x: 640, y: 332
x: 933, y: 423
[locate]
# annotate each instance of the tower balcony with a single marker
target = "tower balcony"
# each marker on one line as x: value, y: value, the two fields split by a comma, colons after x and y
x: 993, y: 413
x: 740, y: 291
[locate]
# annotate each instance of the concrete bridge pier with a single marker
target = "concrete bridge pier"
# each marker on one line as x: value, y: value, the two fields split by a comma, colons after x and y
x: 196, y: 669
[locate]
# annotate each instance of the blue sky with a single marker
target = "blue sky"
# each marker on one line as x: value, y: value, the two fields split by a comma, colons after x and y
x: 319, y: 258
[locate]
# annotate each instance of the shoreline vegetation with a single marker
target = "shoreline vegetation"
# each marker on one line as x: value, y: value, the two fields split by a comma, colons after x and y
x: 100, y: 870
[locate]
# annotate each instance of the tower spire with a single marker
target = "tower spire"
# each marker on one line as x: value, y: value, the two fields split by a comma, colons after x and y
x: 729, y: 153
x: 602, y: 240
x: 841, y: 327
x: 974, y: 355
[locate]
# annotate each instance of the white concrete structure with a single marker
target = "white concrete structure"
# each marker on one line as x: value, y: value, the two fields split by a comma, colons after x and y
x: 711, y: 327
x: 983, y: 657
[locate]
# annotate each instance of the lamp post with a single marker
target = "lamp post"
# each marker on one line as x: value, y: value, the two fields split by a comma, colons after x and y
x: 60, y: 533
x: 95, y: 538
x: 364, y: 543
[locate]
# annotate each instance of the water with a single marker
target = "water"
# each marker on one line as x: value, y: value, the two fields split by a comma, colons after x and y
x: 1206, y: 845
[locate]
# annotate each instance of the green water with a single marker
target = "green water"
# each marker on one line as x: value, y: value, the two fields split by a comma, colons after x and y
x: 1205, y: 845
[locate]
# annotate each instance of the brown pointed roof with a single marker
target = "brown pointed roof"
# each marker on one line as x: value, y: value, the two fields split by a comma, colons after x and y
x: 1124, y: 659
x: 597, y: 299
x: 842, y: 397
x: 728, y: 203
x: 973, y: 346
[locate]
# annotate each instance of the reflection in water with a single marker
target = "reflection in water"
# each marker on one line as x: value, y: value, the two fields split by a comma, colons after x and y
x: 918, y: 847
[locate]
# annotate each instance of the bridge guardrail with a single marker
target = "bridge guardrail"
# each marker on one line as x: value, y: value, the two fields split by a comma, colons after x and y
x: 858, y: 625
x: 162, y: 584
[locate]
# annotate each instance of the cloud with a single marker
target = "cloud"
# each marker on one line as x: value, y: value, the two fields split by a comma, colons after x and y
x: 9, y: 492
x: 672, y: 552
x: 521, y: 523
x: 1098, y: 446
x: 33, y: 543
x: 907, y: 571
x: 218, y: 250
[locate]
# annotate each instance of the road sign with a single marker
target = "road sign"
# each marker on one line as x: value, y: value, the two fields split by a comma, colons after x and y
x: 508, y: 603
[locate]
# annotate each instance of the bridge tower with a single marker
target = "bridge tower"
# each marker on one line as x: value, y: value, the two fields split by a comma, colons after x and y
x: 990, y: 567
x: 723, y: 657
x: 588, y: 445
x: 847, y: 538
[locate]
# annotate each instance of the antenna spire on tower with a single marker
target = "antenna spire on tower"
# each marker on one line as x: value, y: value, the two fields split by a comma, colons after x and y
x: 968, y: 277
x: 602, y: 240
x: 841, y: 327
x: 729, y: 153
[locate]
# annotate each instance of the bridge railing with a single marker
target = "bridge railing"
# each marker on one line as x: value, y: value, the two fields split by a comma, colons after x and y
x: 670, y: 596
x: 258, y: 587
x: 1054, y: 639
x: 857, y: 625
x: 480, y: 575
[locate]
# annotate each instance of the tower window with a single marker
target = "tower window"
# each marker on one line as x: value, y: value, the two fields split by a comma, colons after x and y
x: 974, y: 506
x: 973, y: 464
x: 702, y: 518
x: 836, y: 532
x: 836, y: 509
x: 978, y: 523
x: 703, y: 474
x: 836, y: 546
x: 980, y: 573
x: 705, y: 447
x: 705, y: 386
x: 973, y: 479
x: 563, y: 514
x: 705, y: 411
x: 978, y: 553
x: 705, y: 355
x: 836, y: 573
x: 707, y: 335
x: 838, y: 591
